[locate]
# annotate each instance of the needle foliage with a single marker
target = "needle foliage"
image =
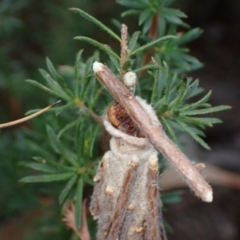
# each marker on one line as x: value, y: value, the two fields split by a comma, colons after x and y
x: 73, y: 135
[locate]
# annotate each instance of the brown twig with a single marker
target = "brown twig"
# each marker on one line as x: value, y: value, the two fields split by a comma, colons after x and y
x: 8, y: 124
x: 92, y: 114
x: 214, y: 175
x: 153, y: 33
x: 152, y: 129
x: 124, y: 45
x: 69, y: 220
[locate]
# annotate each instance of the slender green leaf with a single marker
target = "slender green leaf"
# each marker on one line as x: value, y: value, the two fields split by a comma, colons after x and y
x: 60, y: 148
x: 167, y: 83
x: 76, y: 72
x: 148, y: 45
x: 85, y: 83
x: 171, y: 197
x: 115, y: 62
x: 146, y: 26
x: 148, y: 67
x: 145, y: 15
x: 67, y: 188
x: 209, y: 120
x: 116, y: 23
x: 41, y: 151
x: 198, y: 103
x: 131, y: 4
x: 193, y: 135
x: 97, y: 22
x: 177, y: 21
x: 68, y: 126
x: 51, y: 82
x: 133, y: 40
x: 78, y: 203
x: 170, y: 130
x: 180, y: 96
x: 59, y: 110
x: 195, y: 121
x: 92, y: 138
x: 99, y: 45
x: 155, y: 90
x: 47, y: 177
x: 201, y: 121
x: 54, y: 165
x: 39, y: 85
x: 172, y: 12
x: 51, y: 68
x: 189, y: 36
x: 206, y: 110
x: 41, y: 167
x: 130, y: 12
x: 193, y: 89
x: 54, y: 85
x: 58, y: 78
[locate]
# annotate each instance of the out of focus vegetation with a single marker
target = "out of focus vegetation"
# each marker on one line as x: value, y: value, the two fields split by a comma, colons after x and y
x: 30, y: 31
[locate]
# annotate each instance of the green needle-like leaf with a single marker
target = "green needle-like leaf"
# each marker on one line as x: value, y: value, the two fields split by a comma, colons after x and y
x: 39, y: 85
x: 170, y: 130
x: 58, y: 78
x: 43, y: 167
x: 148, y: 45
x: 54, y: 85
x: 201, y: 121
x: 130, y: 12
x: 47, y: 177
x: 60, y: 148
x: 187, y: 129
x: 51, y: 68
x: 95, y: 21
x: 148, y: 67
x: 68, y: 126
x: 198, y: 103
x: 78, y: 203
x: 99, y: 45
x: 133, y: 40
x: 67, y: 188
x: 76, y: 73
x: 206, y: 110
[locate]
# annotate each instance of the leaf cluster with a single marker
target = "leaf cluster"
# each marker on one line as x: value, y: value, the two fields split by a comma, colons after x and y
x: 160, y: 82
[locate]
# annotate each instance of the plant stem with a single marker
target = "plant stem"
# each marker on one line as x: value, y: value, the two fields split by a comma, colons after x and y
x: 153, y: 132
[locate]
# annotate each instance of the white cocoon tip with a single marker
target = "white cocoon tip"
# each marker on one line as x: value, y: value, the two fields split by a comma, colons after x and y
x: 130, y: 79
x: 208, y: 197
x: 97, y: 66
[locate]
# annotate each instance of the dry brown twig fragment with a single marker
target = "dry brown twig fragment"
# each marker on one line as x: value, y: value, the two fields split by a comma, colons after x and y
x: 69, y: 219
x: 126, y: 198
x: 147, y: 121
x: 124, y: 45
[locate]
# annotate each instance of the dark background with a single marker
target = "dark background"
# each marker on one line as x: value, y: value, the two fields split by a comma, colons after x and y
x: 218, y: 48
x: 32, y: 30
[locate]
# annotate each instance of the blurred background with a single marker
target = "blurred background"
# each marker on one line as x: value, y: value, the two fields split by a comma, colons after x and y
x: 32, y: 30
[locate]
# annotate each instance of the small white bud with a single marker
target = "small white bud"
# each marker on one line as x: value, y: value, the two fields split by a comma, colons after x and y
x: 97, y: 66
x: 208, y: 197
x: 130, y: 79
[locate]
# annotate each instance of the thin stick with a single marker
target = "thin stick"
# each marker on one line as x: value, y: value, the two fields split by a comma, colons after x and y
x: 92, y: 114
x: 8, y: 124
x: 124, y: 44
x: 153, y: 132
